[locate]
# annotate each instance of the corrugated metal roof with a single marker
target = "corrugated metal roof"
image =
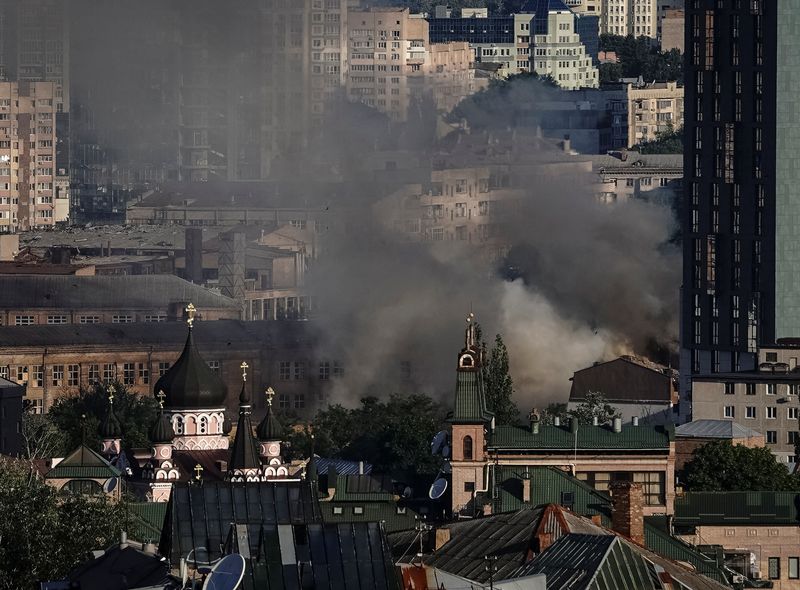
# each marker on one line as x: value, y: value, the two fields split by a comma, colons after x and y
x: 731, y: 508
x: 147, y: 521
x: 100, y: 292
x: 394, y: 517
x: 668, y: 546
x: 715, y: 429
x: 342, y: 467
x: 83, y: 463
x: 548, y: 485
x: 643, y: 437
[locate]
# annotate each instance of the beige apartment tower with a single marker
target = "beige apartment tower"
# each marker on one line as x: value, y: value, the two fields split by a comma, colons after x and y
x: 28, y: 196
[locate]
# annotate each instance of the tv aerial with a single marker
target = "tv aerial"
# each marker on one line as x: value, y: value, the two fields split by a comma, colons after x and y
x: 227, y: 573
x: 438, y: 488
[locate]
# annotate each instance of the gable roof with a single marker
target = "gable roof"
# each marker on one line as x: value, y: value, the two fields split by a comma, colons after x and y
x: 589, y: 437
x: 726, y: 429
x: 120, y: 568
x: 83, y: 463
x: 623, y: 380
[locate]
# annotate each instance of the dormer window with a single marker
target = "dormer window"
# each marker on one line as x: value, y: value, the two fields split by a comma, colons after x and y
x: 467, y: 361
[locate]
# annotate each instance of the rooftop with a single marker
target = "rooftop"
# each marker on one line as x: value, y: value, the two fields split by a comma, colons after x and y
x: 588, y: 437
x: 83, y: 463
x: 625, y: 379
x: 737, y: 508
x: 714, y: 429
x: 106, y: 292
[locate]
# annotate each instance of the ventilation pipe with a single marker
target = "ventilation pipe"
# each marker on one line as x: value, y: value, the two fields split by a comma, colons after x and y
x: 556, y: 421
x: 617, y: 424
x: 635, y: 420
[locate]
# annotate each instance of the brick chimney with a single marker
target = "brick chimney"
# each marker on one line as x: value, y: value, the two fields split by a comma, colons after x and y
x: 442, y: 537
x: 627, y: 516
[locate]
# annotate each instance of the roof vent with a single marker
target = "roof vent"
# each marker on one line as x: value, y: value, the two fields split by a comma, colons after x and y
x: 635, y: 420
x: 617, y: 424
x: 556, y: 421
x: 595, y: 421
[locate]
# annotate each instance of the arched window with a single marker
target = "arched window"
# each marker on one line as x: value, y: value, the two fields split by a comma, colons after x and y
x: 467, y: 448
x: 178, y: 425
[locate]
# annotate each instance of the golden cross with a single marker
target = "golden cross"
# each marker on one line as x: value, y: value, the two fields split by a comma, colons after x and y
x: 270, y: 393
x: 470, y: 317
x: 244, y: 366
x: 198, y: 470
x: 190, y: 311
x: 161, y: 395
x: 111, y: 391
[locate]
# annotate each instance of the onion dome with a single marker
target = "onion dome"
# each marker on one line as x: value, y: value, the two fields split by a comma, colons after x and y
x: 162, y: 431
x: 269, y: 428
x: 190, y: 383
x: 110, y: 427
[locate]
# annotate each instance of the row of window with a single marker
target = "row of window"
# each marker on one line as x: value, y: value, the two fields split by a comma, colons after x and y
x: 774, y: 568
x: 288, y: 370
x: 770, y: 412
x: 72, y: 375
x: 769, y: 388
x: 56, y: 319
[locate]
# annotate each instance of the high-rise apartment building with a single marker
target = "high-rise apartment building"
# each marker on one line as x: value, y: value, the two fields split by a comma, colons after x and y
x: 28, y: 196
x: 741, y: 215
x: 629, y: 17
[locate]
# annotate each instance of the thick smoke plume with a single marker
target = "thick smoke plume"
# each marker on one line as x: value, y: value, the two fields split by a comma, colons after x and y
x: 595, y: 280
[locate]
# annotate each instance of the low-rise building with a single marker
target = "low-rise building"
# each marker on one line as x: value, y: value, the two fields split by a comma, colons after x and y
x: 638, y: 388
x: 627, y: 175
x: 28, y: 300
x: 691, y: 436
x: 757, y: 532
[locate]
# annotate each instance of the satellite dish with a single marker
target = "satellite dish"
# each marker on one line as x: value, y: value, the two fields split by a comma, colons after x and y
x: 438, y: 489
x: 446, y: 451
x: 446, y: 467
x: 407, y: 492
x: 439, y: 441
x: 227, y: 574
x: 110, y: 485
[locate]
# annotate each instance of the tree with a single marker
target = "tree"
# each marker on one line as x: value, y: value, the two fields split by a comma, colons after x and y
x: 78, y: 416
x: 41, y: 439
x: 594, y: 405
x: 498, y: 384
x: 554, y: 410
x: 722, y: 467
x: 639, y: 57
x: 666, y: 142
x: 394, y: 436
x: 44, y: 533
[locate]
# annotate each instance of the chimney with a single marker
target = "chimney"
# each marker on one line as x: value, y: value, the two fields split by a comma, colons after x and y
x: 617, y: 424
x: 361, y: 468
x: 442, y: 537
x: 627, y: 517
x: 566, y: 144
x: 635, y: 421
x: 595, y: 421
x: 123, y: 539
x: 526, y: 489
x: 534, y: 419
x: 556, y: 421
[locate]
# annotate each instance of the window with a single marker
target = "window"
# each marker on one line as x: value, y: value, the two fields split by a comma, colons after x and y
x: 750, y: 412
x: 128, y: 373
x: 772, y: 437
x: 324, y: 371
x: 729, y: 412
x: 794, y: 568
x: 161, y: 317
x: 770, y: 389
x: 729, y: 388
x: 299, y: 401
x: 109, y: 372
x: 774, y: 571
x: 214, y: 366
x: 653, y: 488
x: 750, y: 388
x: 772, y: 412
x: 772, y: 357
x: 162, y: 369
x: 23, y: 320
x: 144, y: 374
x: 337, y: 510
x: 284, y: 370
x: 467, y: 448
x: 338, y: 369
x: 469, y: 486
x: 94, y: 373
x: 37, y: 406
x: 358, y: 510
x: 89, y: 319
x: 299, y: 371
x: 56, y: 319
x: 793, y: 413
x: 283, y: 401
x: 58, y: 375
x: 121, y: 319
x: 792, y: 437
x: 73, y: 375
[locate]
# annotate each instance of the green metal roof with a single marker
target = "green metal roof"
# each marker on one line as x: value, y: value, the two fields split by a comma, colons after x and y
x: 147, y: 520
x: 470, y: 400
x: 631, y: 438
x: 83, y: 463
x: 547, y: 486
x: 662, y: 543
x: 731, y: 508
x: 393, y: 517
